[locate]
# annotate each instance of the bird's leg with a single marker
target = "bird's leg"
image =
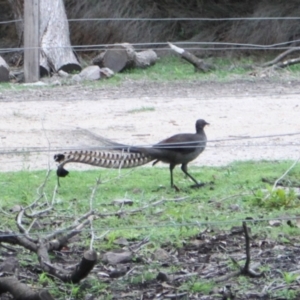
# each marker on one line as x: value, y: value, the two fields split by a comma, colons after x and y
x: 184, y: 170
x: 172, y: 166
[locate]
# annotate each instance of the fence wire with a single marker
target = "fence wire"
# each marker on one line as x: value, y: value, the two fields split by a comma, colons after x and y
x: 160, y: 225
x: 211, y: 46
x: 158, y: 46
x: 209, y: 144
x: 169, y: 19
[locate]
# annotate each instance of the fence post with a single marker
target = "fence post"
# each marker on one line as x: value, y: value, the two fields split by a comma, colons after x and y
x: 31, y: 40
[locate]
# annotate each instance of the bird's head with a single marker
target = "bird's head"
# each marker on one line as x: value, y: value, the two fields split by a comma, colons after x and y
x: 200, y: 124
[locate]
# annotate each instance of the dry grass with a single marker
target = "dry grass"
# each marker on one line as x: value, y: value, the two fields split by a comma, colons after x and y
x: 254, y: 32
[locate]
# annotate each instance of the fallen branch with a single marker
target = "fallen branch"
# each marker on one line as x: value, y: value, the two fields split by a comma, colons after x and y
x: 280, y: 57
x: 198, y: 63
x: 285, y: 173
x: 120, y: 212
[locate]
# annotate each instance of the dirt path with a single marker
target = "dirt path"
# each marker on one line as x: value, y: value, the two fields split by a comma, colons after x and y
x: 144, y: 113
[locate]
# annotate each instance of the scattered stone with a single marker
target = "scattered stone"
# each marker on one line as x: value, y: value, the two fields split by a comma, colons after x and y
x: 107, y: 72
x: 161, y: 255
x: 63, y: 74
x: 115, y: 257
x: 90, y: 73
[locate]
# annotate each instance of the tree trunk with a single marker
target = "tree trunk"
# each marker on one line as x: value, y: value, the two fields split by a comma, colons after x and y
x: 56, y: 51
x: 4, y: 70
x: 55, y: 37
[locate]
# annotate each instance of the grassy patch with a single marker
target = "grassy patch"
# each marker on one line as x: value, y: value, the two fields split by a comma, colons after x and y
x: 233, y: 192
x: 141, y: 109
x: 231, y: 195
x: 173, y: 68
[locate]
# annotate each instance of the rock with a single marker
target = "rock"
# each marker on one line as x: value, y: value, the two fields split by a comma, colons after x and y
x: 63, y: 74
x: 107, y: 72
x: 90, y: 73
x: 77, y: 78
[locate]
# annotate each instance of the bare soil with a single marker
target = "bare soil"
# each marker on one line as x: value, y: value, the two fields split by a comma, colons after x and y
x: 147, y: 112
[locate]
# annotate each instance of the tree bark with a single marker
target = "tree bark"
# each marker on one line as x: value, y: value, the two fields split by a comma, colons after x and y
x: 17, y: 7
x: 55, y: 37
x: 4, y: 70
x: 56, y: 50
x: 21, y: 291
x: 123, y: 56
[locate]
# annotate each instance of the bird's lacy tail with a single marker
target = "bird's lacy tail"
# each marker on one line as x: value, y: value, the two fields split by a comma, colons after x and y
x: 114, y: 159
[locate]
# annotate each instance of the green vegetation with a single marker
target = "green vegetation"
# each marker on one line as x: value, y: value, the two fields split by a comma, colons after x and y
x: 173, y: 68
x: 142, y: 109
x: 232, y: 193
x: 237, y: 184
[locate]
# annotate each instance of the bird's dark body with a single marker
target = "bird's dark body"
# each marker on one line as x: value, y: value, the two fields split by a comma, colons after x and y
x: 177, y: 149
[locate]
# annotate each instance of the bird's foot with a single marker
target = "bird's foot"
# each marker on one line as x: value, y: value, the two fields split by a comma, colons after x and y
x: 175, y: 188
x: 198, y: 185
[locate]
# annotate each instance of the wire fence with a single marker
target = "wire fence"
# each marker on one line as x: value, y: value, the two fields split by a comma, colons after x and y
x: 162, y: 46
x: 233, y: 142
x: 204, y: 45
x: 185, y: 145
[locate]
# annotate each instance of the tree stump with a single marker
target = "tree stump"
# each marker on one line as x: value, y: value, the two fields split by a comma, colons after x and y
x: 4, y: 70
x: 56, y: 50
x: 123, y: 56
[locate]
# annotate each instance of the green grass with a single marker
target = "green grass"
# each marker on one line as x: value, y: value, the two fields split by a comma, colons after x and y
x: 141, y: 109
x: 237, y: 185
x: 173, y: 68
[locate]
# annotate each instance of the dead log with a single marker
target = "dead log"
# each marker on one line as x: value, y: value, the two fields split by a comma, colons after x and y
x: 123, y: 56
x: 198, y: 63
x: 21, y: 291
x: 86, y: 265
x: 4, y: 70
x: 55, y: 37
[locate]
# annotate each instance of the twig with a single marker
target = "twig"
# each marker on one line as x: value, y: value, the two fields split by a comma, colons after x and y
x: 92, y: 236
x: 280, y: 57
x: 134, y: 211
x: 22, y: 229
x: 131, y: 212
x: 102, y: 235
x: 233, y: 196
x: 246, y: 271
x: 54, y: 194
x: 98, y: 182
x: 285, y: 173
x: 71, y: 227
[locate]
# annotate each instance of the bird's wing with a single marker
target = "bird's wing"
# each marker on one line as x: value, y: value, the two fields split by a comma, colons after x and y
x: 183, y: 143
